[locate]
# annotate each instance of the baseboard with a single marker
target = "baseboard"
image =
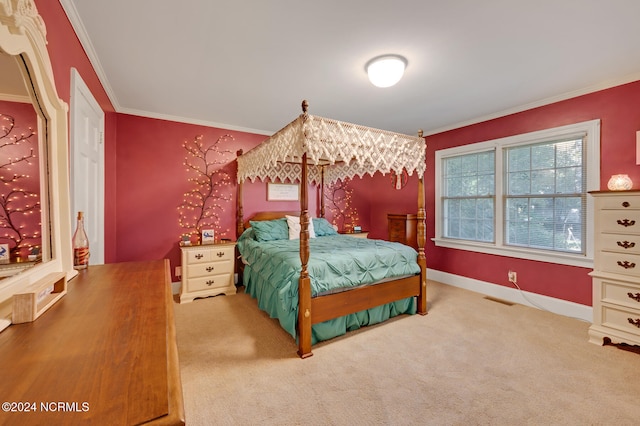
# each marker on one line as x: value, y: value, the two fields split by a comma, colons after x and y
x: 551, y: 304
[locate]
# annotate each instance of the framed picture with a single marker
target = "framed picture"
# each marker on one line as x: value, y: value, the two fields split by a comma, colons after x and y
x: 208, y: 236
x: 283, y: 192
x: 4, y: 251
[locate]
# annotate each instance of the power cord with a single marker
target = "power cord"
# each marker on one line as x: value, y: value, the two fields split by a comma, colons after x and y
x: 542, y: 308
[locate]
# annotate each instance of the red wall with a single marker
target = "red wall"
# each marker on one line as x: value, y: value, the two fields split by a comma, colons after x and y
x: 618, y: 109
x: 152, y: 178
x: 144, y: 179
x: 66, y: 52
x: 382, y: 198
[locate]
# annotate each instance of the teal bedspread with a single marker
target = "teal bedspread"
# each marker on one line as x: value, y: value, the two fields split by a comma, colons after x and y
x: 337, y: 262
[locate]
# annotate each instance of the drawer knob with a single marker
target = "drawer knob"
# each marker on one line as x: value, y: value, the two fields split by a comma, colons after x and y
x: 635, y: 322
x: 209, y: 268
x: 626, y: 244
x: 635, y: 297
x: 625, y: 204
x: 626, y: 222
x: 210, y: 282
x: 626, y: 264
x: 220, y: 254
x: 199, y: 256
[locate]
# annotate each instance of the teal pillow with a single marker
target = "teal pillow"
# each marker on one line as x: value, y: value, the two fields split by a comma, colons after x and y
x: 322, y: 227
x: 270, y: 230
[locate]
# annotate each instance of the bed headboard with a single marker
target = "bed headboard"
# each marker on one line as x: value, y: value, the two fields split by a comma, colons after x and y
x: 269, y: 216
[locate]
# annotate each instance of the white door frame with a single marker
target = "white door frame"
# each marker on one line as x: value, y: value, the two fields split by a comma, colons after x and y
x: 84, y: 104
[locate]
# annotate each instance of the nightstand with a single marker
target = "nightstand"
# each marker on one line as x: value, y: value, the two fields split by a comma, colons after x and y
x: 361, y: 234
x: 207, y: 270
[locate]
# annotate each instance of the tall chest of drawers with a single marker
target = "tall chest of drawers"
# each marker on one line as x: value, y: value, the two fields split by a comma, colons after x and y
x: 207, y: 270
x: 403, y: 229
x: 616, y: 273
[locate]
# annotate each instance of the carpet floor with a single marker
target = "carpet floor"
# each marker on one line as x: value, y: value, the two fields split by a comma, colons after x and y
x: 470, y: 361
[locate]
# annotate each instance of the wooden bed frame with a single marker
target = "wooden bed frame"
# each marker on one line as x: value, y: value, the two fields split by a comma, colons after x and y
x: 322, y: 308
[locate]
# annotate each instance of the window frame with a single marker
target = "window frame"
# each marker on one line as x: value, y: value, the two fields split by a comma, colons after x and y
x: 591, y: 131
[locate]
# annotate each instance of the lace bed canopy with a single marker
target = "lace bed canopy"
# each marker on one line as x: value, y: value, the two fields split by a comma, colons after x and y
x: 319, y: 150
x: 342, y: 150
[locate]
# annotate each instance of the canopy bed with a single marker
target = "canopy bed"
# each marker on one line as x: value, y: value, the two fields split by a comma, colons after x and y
x: 389, y: 280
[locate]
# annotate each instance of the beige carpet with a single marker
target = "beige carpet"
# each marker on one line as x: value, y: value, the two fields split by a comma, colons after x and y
x: 470, y: 361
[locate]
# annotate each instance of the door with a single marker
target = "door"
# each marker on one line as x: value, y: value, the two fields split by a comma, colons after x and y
x: 87, y: 164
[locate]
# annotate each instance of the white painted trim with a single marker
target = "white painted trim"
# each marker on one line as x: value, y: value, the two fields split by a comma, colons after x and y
x: 533, y: 300
x: 81, y: 96
x: 197, y: 122
x: 74, y: 18
x: 15, y: 98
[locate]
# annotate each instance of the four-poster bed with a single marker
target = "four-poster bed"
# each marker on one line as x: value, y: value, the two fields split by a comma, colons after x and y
x: 318, y: 150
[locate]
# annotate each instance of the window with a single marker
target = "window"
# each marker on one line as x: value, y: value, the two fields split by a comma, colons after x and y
x: 522, y: 196
x: 544, y: 195
x: 469, y: 196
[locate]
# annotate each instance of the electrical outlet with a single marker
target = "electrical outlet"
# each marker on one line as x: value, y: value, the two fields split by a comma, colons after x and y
x: 178, y: 271
x: 513, y: 277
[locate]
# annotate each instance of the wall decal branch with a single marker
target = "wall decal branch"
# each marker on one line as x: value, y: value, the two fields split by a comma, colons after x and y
x: 339, y: 199
x: 19, y: 201
x: 210, y: 194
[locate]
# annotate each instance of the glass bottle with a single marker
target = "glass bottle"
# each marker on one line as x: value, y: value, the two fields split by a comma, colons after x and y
x: 80, y: 244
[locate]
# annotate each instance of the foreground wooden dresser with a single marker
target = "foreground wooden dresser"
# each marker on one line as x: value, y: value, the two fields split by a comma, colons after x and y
x: 104, y: 354
x: 616, y: 272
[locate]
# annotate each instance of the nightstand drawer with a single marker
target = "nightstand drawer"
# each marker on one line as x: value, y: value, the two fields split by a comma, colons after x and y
x: 211, y: 253
x: 208, y: 269
x: 212, y: 282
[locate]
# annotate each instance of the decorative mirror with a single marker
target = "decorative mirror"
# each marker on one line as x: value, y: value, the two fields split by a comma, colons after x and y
x: 23, y: 240
x: 35, y: 218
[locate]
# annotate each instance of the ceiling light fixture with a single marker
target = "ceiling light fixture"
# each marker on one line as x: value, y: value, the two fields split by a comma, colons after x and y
x: 386, y: 70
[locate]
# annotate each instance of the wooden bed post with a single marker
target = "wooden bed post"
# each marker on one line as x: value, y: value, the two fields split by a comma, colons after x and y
x: 322, y: 191
x: 304, y: 285
x: 422, y: 239
x: 239, y: 210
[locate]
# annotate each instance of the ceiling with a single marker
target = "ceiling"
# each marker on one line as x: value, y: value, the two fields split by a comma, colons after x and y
x: 247, y: 65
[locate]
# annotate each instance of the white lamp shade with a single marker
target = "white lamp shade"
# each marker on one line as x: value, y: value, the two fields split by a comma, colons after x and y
x: 385, y: 71
x: 620, y: 183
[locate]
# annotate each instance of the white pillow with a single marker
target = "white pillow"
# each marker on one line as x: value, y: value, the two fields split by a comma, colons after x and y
x: 293, y: 222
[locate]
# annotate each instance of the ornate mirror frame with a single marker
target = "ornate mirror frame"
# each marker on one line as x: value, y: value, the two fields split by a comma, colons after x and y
x: 23, y: 34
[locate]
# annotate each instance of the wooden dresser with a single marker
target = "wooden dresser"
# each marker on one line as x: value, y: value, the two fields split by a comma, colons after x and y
x: 207, y: 270
x: 616, y: 273
x: 105, y: 353
x: 403, y: 229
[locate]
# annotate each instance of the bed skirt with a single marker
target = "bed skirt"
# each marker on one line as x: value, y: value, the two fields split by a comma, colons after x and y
x: 277, y: 303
